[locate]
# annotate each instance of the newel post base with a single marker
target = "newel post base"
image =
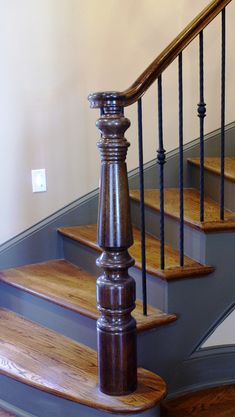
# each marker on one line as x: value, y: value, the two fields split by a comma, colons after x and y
x: 116, y: 328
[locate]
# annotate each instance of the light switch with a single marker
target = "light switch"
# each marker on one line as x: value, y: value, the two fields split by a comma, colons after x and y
x: 39, y: 180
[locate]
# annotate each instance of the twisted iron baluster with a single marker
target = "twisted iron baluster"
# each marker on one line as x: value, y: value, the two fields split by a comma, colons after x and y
x: 141, y: 174
x: 201, y: 115
x: 223, y: 56
x: 161, y: 161
x: 181, y: 159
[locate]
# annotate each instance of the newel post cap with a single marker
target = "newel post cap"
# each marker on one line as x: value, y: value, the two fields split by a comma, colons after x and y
x: 109, y: 99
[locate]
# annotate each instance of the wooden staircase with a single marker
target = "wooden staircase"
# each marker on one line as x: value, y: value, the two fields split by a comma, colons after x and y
x: 70, y: 287
x: 50, y: 362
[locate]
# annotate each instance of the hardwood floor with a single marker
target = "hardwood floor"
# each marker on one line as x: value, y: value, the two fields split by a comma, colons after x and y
x: 53, y: 363
x: 214, y: 402
x: 68, y: 286
x: 191, y: 208
x: 86, y: 234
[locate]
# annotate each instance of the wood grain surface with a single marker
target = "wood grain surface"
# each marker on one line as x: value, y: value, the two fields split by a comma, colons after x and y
x: 116, y: 329
x: 191, y: 208
x: 212, y: 164
x: 214, y: 402
x: 86, y: 234
x: 53, y: 363
x: 4, y: 413
x: 70, y: 287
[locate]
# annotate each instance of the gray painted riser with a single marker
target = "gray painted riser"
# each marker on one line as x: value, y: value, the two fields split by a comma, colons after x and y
x: 41, y: 404
x: 85, y: 257
x: 212, y: 186
x: 40, y: 243
x: 48, y: 314
x: 194, y: 239
x: 217, y: 250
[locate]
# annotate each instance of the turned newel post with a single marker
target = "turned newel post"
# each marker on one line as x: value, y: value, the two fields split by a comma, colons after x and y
x: 116, y: 327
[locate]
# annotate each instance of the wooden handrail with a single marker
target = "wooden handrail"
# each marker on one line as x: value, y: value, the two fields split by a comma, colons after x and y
x: 156, y: 68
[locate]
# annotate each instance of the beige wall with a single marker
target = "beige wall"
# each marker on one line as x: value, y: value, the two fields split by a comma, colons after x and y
x: 53, y: 53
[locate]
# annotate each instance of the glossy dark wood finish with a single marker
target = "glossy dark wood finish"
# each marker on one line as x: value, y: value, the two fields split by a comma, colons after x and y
x: 117, y: 358
x: 156, y: 68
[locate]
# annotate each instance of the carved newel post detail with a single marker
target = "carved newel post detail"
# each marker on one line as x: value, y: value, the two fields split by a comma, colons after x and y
x: 116, y: 327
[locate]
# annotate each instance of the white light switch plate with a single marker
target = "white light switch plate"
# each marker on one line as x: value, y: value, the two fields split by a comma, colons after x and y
x: 39, y: 180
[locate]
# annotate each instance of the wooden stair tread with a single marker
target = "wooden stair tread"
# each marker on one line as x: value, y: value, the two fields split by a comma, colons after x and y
x: 4, y: 413
x: 53, y: 363
x: 86, y: 234
x: 73, y: 288
x: 191, y: 208
x: 213, y: 402
x: 212, y: 164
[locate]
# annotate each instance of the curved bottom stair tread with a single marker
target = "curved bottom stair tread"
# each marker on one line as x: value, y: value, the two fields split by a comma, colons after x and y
x: 86, y: 234
x: 213, y: 402
x: 73, y: 288
x: 53, y: 363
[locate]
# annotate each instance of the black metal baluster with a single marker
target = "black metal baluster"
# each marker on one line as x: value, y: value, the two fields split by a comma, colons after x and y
x: 201, y: 115
x: 101, y: 111
x: 223, y: 56
x: 141, y: 174
x: 181, y: 159
x: 161, y: 161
